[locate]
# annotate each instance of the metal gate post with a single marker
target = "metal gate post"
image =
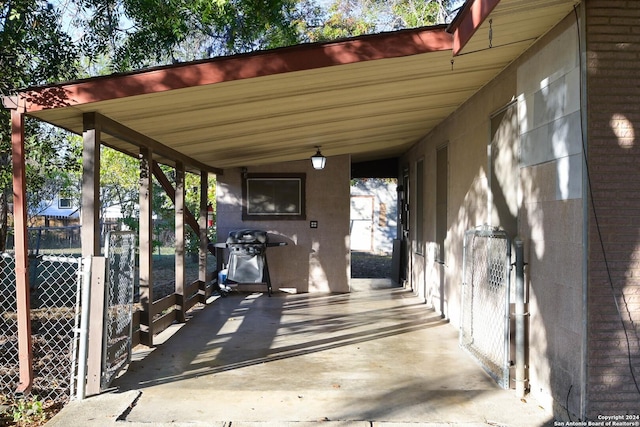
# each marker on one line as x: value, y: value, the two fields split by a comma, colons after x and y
x: 520, y: 316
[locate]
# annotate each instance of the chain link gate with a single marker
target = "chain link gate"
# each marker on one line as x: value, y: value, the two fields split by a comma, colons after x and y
x: 54, y: 297
x: 120, y: 249
x: 484, y: 327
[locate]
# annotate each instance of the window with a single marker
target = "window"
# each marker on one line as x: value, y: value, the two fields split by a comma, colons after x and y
x: 64, y: 203
x: 273, y: 197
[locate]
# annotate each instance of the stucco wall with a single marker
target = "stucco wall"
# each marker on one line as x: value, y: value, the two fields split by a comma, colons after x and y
x: 546, y: 202
x: 314, y: 260
x: 468, y: 203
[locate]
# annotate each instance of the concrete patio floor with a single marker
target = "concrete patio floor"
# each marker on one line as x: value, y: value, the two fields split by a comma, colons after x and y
x: 376, y: 357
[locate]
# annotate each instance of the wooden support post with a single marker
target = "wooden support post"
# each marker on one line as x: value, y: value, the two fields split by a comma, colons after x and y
x: 179, y: 231
x: 202, y: 259
x: 90, y: 238
x: 25, y: 349
x: 90, y: 234
x: 146, y: 246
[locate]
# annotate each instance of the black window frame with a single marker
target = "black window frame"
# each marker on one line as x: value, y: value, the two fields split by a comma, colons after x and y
x: 249, y: 214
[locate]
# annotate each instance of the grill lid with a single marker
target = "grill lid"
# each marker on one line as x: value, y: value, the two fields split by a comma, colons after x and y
x: 258, y: 237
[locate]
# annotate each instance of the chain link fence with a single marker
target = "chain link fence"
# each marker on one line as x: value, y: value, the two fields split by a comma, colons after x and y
x: 120, y: 252
x: 54, y: 269
x: 9, y: 369
x: 50, y: 240
x: 484, y: 327
x: 54, y: 298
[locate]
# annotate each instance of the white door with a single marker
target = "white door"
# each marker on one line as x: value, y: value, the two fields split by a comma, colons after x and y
x: 361, y: 223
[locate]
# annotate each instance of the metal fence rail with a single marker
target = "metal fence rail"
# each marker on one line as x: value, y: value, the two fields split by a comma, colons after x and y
x: 484, y: 327
x: 120, y: 253
x: 54, y: 295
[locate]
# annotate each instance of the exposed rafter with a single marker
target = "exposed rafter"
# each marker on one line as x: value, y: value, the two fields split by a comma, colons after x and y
x: 122, y: 132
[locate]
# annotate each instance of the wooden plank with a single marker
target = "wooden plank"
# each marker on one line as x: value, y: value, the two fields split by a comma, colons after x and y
x: 191, y: 301
x: 205, y: 289
x: 164, y: 321
x: 192, y: 288
x: 135, y: 338
x: 164, y: 304
x: 135, y: 333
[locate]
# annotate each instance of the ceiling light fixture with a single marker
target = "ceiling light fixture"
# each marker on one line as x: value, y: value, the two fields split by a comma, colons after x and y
x: 318, y: 160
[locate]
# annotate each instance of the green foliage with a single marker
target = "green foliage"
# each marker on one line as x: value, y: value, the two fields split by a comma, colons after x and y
x: 119, y: 184
x: 418, y: 13
x: 344, y: 18
x: 119, y: 181
x: 138, y: 33
x: 33, y: 51
x: 53, y: 165
x: 33, y: 48
x: 28, y: 411
x: 348, y: 18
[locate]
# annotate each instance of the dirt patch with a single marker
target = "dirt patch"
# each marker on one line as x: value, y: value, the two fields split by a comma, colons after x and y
x: 370, y: 266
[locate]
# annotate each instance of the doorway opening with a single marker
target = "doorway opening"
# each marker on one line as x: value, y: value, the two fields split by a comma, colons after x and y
x: 373, y: 226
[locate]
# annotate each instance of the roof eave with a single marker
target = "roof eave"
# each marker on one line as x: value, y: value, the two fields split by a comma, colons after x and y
x: 238, y: 67
x: 468, y: 20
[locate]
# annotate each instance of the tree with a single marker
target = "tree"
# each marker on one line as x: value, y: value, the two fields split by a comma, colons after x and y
x: 139, y: 33
x: 33, y: 51
x: 121, y: 35
x: 347, y: 18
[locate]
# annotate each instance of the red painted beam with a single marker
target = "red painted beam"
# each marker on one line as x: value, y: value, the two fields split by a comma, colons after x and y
x: 224, y: 69
x: 471, y: 17
x: 25, y: 349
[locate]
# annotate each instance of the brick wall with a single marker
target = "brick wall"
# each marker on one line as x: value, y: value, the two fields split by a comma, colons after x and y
x: 613, y: 82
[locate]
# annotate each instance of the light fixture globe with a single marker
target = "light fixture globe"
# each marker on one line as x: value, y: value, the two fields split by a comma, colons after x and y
x: 318, y: 160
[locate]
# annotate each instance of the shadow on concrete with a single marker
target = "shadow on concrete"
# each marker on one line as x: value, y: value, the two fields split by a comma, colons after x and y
x: 375, y: 354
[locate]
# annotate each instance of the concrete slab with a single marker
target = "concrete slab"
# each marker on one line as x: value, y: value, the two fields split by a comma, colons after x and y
x: 103, y: 409
x: 375, y: 357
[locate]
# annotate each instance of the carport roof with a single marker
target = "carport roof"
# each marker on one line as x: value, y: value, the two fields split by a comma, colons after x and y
x: 371, y: 96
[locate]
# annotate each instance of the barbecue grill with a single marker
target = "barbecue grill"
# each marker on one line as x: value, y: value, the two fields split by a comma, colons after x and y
x: 247, y: 257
